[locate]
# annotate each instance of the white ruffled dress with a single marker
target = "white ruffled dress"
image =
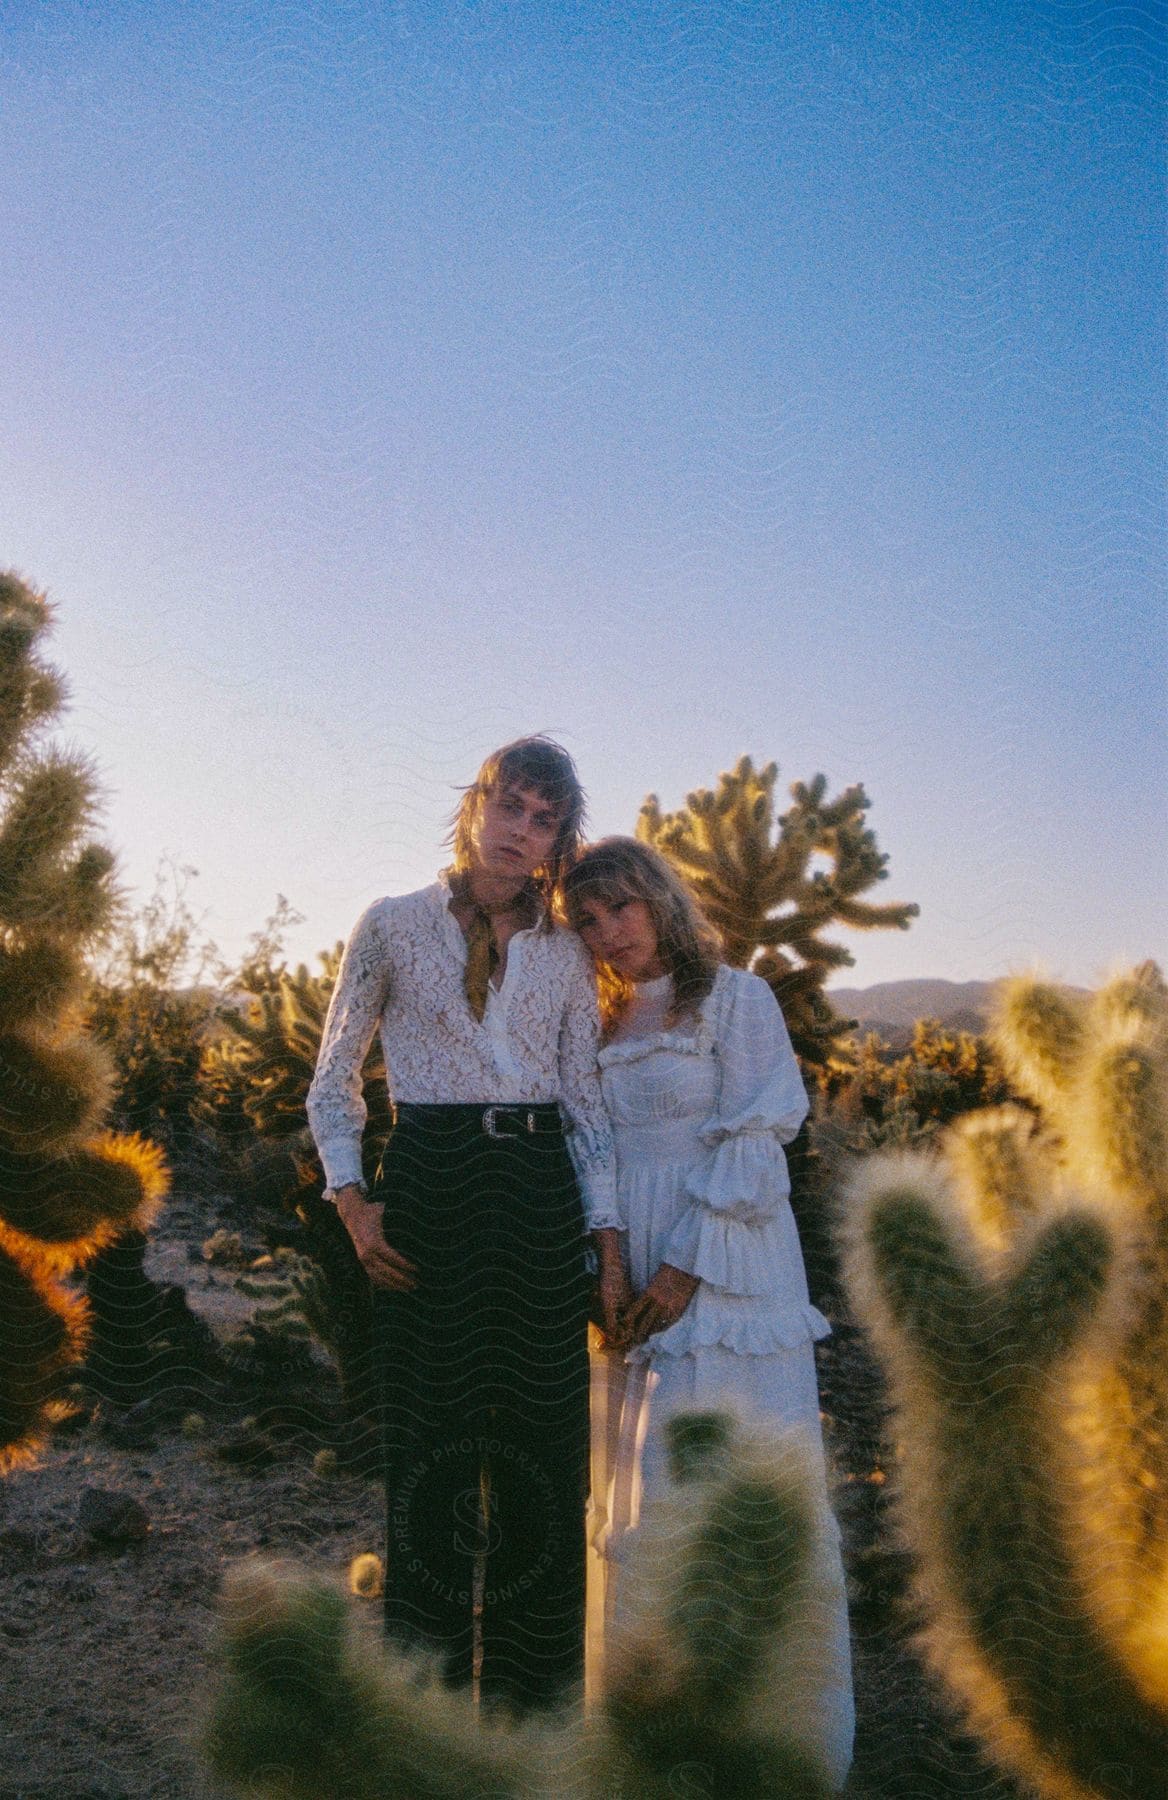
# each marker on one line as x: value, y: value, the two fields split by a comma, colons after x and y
x: 700, y: 1113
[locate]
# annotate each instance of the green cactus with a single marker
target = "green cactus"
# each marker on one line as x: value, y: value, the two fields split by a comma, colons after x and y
x: 257, y: 1077
x: 66, y: 1187
x: 770, y: 906
x: 264, y: 1063
x: 709, y: 1678
x: 291, y: 1302
x: 1016, y: 1289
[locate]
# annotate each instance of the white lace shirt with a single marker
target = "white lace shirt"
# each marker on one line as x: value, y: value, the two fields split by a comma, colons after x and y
x: 402, y: 975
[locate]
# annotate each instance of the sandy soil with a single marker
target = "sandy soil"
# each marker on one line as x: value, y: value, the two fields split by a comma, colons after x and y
x: 107, y: 1652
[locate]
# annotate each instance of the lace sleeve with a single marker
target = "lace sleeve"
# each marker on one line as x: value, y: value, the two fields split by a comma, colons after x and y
x: 590, y: 1141
x: 336, y: 1107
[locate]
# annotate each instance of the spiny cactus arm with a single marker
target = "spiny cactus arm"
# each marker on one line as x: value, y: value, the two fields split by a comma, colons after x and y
x: 1053, y: 1296
x: 31, y: 691
x: 808, y: 796
x: 77, y: 901
x: 51, y: 1095
x: 42, y: 1331
x: 989, y: 1482
x: 39, y: 977
x: 1039, y: 1031
x: 256, y: 1027
x: 49, y: 805
x: 910, y: 1273
x: 784, y: 878
x: 896, y: 915
x: 794, y: 933
x: 723, y: 1618
x: 997, y: 1172
x: 71, y: 1206
x: 307, y: 1708
x: 791, y: 981
x: 1136, y: 994
x: 848, y: 807
x: 741, y: 1583
x: 1118, y: 1125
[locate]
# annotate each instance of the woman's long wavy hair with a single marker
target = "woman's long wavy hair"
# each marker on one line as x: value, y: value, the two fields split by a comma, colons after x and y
x: 544, y: 766
x: 622, y: 868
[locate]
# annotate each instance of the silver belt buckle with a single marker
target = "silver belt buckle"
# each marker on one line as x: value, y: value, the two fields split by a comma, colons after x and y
x: 489, y: 1121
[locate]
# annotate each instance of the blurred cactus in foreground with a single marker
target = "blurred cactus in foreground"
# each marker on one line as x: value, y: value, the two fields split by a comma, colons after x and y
x: 1017, y: 1291
x: 66, y: 1187
x: 770, y: 906
x: 709, y: 1691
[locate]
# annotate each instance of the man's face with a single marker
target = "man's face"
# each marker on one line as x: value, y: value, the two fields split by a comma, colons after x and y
x: 514, y: 833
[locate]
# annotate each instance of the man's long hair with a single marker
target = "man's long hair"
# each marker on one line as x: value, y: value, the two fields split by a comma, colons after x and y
x: 622, y: 868
x: 542, y: 765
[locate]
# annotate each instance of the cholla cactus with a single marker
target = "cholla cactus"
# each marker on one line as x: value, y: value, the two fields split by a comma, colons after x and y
x: 264, y: 1064
x: 709, y: 1681
x: 1017, y: 1290
x: 259, y: 1076
x: 292, y: 1307
x: 275, y: 1047
x: 769, y: 905
x: 66, y: 1188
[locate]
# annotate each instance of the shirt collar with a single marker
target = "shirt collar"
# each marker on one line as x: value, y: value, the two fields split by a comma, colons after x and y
x: 445, y: 896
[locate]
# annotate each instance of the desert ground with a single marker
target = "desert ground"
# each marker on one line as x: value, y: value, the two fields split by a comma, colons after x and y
x: 108, y: 1605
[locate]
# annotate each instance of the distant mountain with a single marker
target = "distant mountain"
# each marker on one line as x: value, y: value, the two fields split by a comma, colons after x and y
x: 893, y: 1007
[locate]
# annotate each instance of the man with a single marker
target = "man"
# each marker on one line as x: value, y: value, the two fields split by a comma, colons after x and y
x: 473, y: 1238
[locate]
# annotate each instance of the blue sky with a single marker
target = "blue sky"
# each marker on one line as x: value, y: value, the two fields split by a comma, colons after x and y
x: 382, y: 381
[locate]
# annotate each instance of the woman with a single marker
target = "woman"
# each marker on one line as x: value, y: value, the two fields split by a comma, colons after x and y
x: 703, y: 1089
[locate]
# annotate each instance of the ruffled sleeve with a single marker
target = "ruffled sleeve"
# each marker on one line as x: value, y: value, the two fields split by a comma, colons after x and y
x: 738, y: 1187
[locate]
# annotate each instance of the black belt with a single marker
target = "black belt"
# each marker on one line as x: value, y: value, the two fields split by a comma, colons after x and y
x: 502, y: 1118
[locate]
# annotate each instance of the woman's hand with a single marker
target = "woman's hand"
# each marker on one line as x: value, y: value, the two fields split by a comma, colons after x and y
x: 612, y: 1286
x: 385, y: 1267
x: 661, y: 1304
x: 615, y: 1294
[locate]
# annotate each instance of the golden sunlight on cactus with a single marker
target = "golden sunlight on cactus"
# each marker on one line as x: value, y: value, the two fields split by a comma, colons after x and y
x: 761, y: 891
x: 995, y: 1168
x: 66, y: 1187
x: 1038, y: 1031
x: 43, y: 1332
x: 1016, y: 1289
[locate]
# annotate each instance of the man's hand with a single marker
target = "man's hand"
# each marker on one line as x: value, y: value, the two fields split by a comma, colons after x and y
x: 661, y: 1304
x: 385, y: 1267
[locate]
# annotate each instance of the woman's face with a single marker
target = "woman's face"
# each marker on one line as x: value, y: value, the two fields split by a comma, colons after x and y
x: 620, y: 932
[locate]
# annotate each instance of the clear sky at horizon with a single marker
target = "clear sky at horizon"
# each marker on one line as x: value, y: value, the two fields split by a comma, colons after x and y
x: 385, y: 380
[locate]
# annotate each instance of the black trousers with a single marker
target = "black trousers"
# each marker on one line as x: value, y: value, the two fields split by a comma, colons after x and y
x: 484, y: 1400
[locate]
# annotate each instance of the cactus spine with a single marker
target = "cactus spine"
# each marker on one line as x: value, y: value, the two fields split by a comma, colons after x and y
x: 1017, y: 1290
x: 706, y: 1685
x: 66, y: 1187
